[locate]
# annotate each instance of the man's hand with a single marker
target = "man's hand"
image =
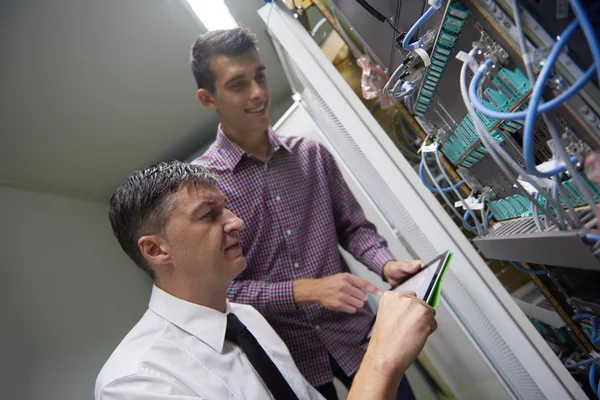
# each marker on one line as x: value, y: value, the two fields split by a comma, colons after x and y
x: 401, y: 329
x: 396, y: 272
x: 340, y: 292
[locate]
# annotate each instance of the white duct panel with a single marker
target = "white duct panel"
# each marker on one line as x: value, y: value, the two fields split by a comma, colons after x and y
x: 504, y: 338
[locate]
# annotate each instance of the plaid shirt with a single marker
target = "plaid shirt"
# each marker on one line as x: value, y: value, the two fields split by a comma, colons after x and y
x: 297, y: 208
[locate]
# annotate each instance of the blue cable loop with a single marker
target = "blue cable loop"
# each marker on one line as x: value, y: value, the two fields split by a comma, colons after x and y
x: 466, y: 224
x: 520, y: 115
x: 588, y: 30
x: 429, y: 187
x: 536, y: 97
x: 533, y: 110
x: 413, y: 30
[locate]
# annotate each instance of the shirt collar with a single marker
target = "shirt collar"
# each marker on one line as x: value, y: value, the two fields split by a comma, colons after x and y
x: 232, y: 153
x: 205, y: 323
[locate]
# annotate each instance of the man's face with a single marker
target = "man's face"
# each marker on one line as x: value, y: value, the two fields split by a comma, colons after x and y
x: 241, y: 97
x: 203, y: 236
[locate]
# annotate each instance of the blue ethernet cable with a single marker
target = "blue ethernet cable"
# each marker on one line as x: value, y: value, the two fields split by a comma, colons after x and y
x: 466, y: 224
x: 431, y: 188
x: 413, y: 30
x: 546, y: 106
x: 520, y: 115
x: 588, y: 31
x: 536, y: 97
x: 578, y: 317
x: 580, y: 363
x: 592, y: 379
x: 592, y: 237
x: 528, y: 271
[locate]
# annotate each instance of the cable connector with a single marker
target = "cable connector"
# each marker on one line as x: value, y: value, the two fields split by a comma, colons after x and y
x: 435, y: 4
x: 466, y: 58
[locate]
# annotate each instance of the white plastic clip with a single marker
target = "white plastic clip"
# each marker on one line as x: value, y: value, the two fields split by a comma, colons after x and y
x: 471, y: 202
x: 428, y: 148
x: 471, y: 61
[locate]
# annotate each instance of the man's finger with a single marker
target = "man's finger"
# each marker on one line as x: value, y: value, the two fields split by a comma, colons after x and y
x: 346, y: 308
x: 364, y: 284
x: 352, y: 301
x: 356, y: 292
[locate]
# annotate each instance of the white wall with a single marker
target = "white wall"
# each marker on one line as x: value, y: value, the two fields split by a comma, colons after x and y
x: 69, y: 295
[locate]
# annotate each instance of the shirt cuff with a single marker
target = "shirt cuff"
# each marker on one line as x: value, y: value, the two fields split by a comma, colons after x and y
x: 282, y: 297
x: 375, y: 259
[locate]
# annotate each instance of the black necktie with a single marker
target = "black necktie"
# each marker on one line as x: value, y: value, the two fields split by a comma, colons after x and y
x: 238, y: 333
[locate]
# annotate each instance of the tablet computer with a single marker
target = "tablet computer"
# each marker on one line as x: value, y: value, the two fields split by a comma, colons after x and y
x: 424, y: 283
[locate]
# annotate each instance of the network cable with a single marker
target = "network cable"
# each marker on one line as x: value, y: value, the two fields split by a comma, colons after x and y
x: 562, y: 153
x: 501, y: 156
x: 558, y: 188
x: 535, y: 215
x: 531, y: 113
x: 496, y: 152
x: 422, y: 166
x: 592, y: 237
x: 435, y: 5
x: 478, y: 225
x: 437, y: 185
x: 588, y: 31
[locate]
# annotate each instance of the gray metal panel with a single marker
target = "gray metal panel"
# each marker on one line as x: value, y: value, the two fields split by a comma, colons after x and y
x: 558, y: 248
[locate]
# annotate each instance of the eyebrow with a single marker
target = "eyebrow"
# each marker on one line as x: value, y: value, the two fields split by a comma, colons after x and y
x: 242, y: 76
x: 235, y: 78
x: 208, y: 203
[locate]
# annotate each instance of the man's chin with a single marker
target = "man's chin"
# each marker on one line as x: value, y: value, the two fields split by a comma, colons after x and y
x: 239, y: 265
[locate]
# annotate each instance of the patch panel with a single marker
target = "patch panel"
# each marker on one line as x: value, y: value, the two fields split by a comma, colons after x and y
x: 517, y: 206
x: 441, y: 54
x: 512, y: 87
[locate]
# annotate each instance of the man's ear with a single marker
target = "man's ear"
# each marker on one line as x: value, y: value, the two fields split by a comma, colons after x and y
x: 155, y: 250
x: 207, y: 99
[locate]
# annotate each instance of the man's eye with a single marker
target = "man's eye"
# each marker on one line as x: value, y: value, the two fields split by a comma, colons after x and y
x: 208, y: 215
x: 239, y: 85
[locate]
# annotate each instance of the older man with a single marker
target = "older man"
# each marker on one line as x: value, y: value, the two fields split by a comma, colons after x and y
x: 172, y: 221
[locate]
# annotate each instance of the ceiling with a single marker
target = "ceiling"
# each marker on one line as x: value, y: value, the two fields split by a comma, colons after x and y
x: 93, y: 89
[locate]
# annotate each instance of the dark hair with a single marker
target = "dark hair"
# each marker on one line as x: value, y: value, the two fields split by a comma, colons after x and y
x: 143, y: 203
x: 229, y: 42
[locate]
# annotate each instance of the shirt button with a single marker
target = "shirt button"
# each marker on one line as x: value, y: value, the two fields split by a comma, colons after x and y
x: 277, y: 198
x: 297, y: 265
x: 318, y: 327
x: 289, y: 232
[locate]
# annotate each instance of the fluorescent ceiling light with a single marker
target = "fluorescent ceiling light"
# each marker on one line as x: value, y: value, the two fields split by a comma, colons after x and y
x: 214, y: 14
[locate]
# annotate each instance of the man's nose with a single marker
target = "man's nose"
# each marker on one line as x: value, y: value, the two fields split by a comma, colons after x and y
x: 232, y: 222
x: 257, y: 92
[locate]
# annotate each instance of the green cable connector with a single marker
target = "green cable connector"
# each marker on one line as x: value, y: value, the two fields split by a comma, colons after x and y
x: 512, y: 87
x: 518, y: 206
x: 451, y: 26
x: 514, y: 81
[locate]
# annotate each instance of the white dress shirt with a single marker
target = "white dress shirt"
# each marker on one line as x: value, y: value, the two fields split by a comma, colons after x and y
x: 178, y: 351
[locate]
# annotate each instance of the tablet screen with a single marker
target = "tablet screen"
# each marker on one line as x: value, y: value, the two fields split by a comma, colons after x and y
x: 421, y: 283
